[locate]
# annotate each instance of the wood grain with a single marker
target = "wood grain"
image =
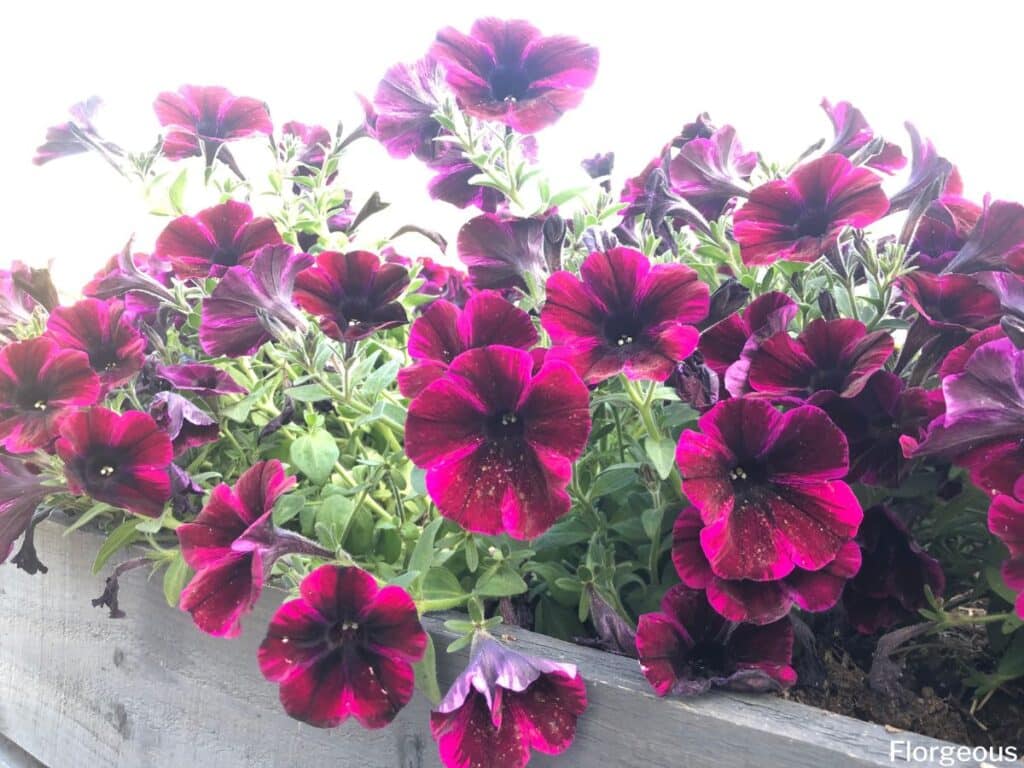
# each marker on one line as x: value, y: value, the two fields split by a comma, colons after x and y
x: 79, y: 690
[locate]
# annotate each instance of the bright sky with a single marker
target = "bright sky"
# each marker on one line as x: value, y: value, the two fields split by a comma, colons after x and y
x: 763, y: 66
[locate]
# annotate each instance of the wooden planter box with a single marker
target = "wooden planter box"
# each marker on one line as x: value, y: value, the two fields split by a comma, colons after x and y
x: 80, y: 690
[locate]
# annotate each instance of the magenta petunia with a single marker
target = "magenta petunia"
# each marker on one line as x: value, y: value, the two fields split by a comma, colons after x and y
x: 102, y: 330
x: 75, y: 136
x: 687, y: 649
x: 758, y: 602
x: 950, y: 302
x: 451, y: 182
x: 890, y: 587
x: 121, y: 459
x: 769, y: 488
x: 38, y: 381
x: 354, y: 294
x: 141, y: 281
x: 829, y: 357
x: 502, y: 254
x: 443, y: 332
x: 505, y: 704
x: 22, y: 490
x: 942, y: 231
x: 995, y: 243
x: 203, y: 379
x: 507, y: 71
x: 800, y: 217
x: 404, y: 107
x: 852, y: 133
x: 624, y: 314
x: 188, y: 425
x: 498, y: 440
x: 710, y: 173
x: 995, y: 466
x: 443, y: 281
x: 202, y: 118
x: 344, y: 648
x: 931, y: 175
x: 215, y: 240
x: 1006, y: 520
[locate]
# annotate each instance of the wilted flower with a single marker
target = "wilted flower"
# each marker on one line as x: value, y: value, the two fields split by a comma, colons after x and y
x: 21, y: 492
x: 404, y: 107
x: 852, y: 133
x: 499, y: 253
x: 695, y: 383
x: 201, y: 119
x: 188, y: 425
x: 205, y: 380
x: 344, y: 647
x: 101, y: 329
x: 1006, y: 520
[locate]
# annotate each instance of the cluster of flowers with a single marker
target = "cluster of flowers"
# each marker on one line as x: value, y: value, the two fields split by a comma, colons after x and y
x: 722, y: 343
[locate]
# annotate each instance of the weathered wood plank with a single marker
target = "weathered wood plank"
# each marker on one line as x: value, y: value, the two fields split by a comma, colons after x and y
x: 80, y: 690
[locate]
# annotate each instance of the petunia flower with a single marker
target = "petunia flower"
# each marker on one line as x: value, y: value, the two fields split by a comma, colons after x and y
x: 942, y: 231
x: 443, y: 281
x: 800, y: 217
x: 22, y: 490
x: 505, y: 704
x: 498, y: 440
x: 38, y: 381
x: 252, y: 305
x: 404, y: 106
x: 443, y: 332
x: 1006, y: 520
x: 233, y: 544
x: 508, y: 72
x: 950, y: 302
x: 203, y: 118
x: 624, y: 315
x: 214, y: 240
x: 353, y: 294
x: 931, y: 175
x: 451, y: 182
x: 687, y: 649
x: 852, y: 133
x: 768, y: 487
x: 75, y: 136
x: 890, y: 587
x: 500, y: 254
x: 205, y: 380
x: 828, y: 358
x: 709, y: 173
x: 313, y: 141
x: 116, y: 350
x: 121, y: 459
x: 188, y: 425
x: 132, y: 276
x: 344, y: 648
x: 758, y: 602
x: 995, y: 243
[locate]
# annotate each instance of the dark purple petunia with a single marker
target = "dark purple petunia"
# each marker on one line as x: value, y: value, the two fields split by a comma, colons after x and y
x: 942, y: 231
x: 443, y: 332
x: 188, y: 425
x: 709, y: 173
x: 451, y: 182
x: 758, y: 602
x: 75, y: 136
x: 404, y: 107
x: 507, y: 71
x: 995, y: 243
x: 950, y: 302
x: 830, y: 357
x: 624, y: 315
x: 443, y: 281
x: 931, y: 175
x: 890, y: 587
x: 38, y: 381
x: 215, y: 240
x: 354, y: 294
x: 768, y: 487
x: 205, y: 380
x: 505, y: 704
x: 344, y: 648
x: 250, y: 305
x: 498, y: 440
x: 852, y: 133
x: 499, y: 253
x: 121, y: 459
x: 687, y: 649
x: 21, y: 492
x: 1006, y: 520
x: 800, y: 217
x: 200, y: 119
x: 956, y: 360
x: 104, y: 332
x: 139, y: 280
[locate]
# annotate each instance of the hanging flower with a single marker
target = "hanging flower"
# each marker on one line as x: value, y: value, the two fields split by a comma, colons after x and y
x: 214, y: 240
x: 312, y: 143
x: 121, y: 459
x: 687, y: 649
x: 202, y: 118
x: 101, y: 329
x: 500, y: 254
x: 505, y: 704
x: 74, y: 136
x: 188, y: 425
x: 353, y: 294
x: 451, y: 182
x: 852, y: 133
x: 21, y: 492
x: 709, y: 173
x: 930, y: 174
x: 205, y: 380
x: 38, y: 381
x: 950, y: 302
x: 344, y: 647
x: 802, y: 216
x: 1006, y: 520
x: 624, y: 315
x: 995, y: 243
x: 498, y: 440
x: 942, y: 231
x: 768, y: 487
x: 507, y: 71
x: 443, y: 332
x: 404, y: 107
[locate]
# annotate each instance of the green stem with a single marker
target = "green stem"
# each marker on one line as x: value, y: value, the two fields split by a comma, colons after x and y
x: 643, y: 405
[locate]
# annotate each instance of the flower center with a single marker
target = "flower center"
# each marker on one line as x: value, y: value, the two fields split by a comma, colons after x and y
x: 830, y: 378
x: 39, y: 405
x: 707, y: 659
x: 100, y: 469
x: 224, y: 257
x: 813, y: 222
x: 504, y: 427
x: 103, y: 359
x: 508, y: 84
x: 622, y: 330
x: 343, y: 632
x: 747, y: 475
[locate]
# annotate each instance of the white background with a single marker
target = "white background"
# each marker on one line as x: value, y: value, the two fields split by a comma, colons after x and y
x: 952, y: 68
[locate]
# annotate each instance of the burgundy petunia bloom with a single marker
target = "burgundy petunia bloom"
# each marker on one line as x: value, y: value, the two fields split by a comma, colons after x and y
x: 506, y: 71
x: 121, y: 459
x: 140, y: 280
x: 1006, y: 520
x: 21, y: 491
x: 930, y: 174
x: 942, y: 231
x: 201, y: 119
x: 451, y: 182
x: 498, y: 440
x: 214, y: 240
x: 624, y: 315
x: 889, y: 588
x: 709, y: 173
x: 204, y: 380
x: 344, y: 647
x: 75, y: 136
x: 505, y: 704
x: 499, y: 253
x: 830, y: 357
x: 443, y: 332
x: 38, y: 380
x: 314, y: 141
x: 448, y: 283
x: 768, y: 487
x: 802, y: 216
x: 353, y: 294
x: 687, y: 649
x: 116, y: 350
x: 995, y: 243
x: 853, y: 133
x: 950, y: 302
x: 250, y: 306
x: 188, y: 425
x: 404, y: 107
x: 758, y: 602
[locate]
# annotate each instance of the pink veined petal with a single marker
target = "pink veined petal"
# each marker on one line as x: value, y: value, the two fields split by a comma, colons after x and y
x: 812, y: 522
x: 339, y: 593
x: 393, y: 626
x: 535, y: 496
x: 660, y: 648
x: 468, y: 738
x: 294, y: 639
x: 555, y: 407
x: 377, y: 687
x: 470, y: 489
x: 445, y: 420
x: 547, y: 711
x: 218, y: 595
x: 208, y: 538
x: 571, y: 311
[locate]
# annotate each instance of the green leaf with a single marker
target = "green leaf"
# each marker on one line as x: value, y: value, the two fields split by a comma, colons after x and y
x: 239, y: 411
x: 440, y: 591
x: 176, y: 192
x: 472, y: 554
x: 288, y: 507
x: 651, y: 519
x: 314, y: 455
x: 613, y: 479
x: 308, y: 393
x: 118, y: 538
x: 89, y: 515
x: 566, y: 195
x: 662, y: 453
x: 423, y: 553
x: 500, y: 581
x: 174, y: 579
x: 426, y: 673
x: 382, y: 377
